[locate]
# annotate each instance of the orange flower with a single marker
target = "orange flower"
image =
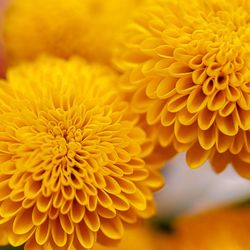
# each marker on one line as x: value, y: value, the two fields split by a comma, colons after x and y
x: 73, y: 166
x: 185, y: 68
x: 222, y: 229
x: 140, y: 237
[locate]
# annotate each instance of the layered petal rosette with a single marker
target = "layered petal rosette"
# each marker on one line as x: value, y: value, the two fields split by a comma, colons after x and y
x: 185, y: 67
x: 73, y: 167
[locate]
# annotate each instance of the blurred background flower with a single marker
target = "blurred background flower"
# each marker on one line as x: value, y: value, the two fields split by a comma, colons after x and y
x: 225, y: 228
x: 143, y: 237
x: 3, y: 5
x: 88, y: 28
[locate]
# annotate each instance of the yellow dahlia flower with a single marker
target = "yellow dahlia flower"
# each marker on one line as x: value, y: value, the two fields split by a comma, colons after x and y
x: 186, y: 68
x: 88, y: 28
x: 72, y: 166
x: 224, y: 229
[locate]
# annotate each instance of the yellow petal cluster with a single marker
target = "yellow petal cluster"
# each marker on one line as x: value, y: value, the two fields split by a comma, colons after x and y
x: 88, y: 28
x: 73, y: 168
x: 186, y: 69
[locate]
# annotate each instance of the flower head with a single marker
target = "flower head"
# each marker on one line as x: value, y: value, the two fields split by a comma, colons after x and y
x: 87, y: 28
x: 186, y: 69
x: 73, y: 166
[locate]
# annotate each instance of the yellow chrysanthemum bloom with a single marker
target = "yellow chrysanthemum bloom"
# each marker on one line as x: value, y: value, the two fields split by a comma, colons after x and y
x: 186, y: 68
x: 72, y: 27
x: 72, y: 163
x: 224, y: 229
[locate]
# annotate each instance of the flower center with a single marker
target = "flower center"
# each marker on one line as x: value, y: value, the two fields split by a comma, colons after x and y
x: 71, y: 148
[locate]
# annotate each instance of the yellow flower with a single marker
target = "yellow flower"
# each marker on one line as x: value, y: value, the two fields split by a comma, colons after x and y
x: 186, y: 68
x: 84, y: 27
x: 223, y: 229
x: 72, y: 163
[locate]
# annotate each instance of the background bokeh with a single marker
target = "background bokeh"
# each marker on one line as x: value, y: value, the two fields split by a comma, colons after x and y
x: 195, y: 190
